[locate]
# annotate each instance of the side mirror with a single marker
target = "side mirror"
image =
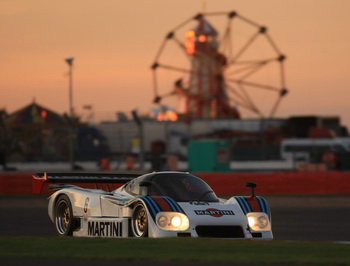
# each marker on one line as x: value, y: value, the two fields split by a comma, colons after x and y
x: 252, y: 185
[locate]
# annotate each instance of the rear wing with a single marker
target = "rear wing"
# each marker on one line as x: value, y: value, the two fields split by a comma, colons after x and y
x: 40, y: 179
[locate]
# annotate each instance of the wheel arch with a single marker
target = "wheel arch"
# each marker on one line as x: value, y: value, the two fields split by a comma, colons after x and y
x: 149, y: 219
x: 53, y: 201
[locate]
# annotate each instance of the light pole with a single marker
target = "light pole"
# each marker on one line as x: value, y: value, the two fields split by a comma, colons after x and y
x: 71, y: 112
x: 139, y: 124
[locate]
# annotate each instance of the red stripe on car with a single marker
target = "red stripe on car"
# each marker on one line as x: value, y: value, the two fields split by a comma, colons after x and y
x: 254, y: 204
x: 163, y: 204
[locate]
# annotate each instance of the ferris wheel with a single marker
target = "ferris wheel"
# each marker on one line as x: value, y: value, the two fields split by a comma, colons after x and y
x: 218, y: 74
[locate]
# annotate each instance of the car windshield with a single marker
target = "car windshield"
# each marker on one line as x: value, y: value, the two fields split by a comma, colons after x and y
x: 182, y: 187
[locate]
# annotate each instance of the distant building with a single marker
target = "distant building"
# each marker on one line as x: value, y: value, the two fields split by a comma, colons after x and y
x: 36, y: 133
x: 250, y: 139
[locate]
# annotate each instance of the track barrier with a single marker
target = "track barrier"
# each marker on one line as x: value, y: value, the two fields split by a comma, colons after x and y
x: 225, y: 184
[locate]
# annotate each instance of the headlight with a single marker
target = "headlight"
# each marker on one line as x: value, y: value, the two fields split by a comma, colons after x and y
x: 162, y: 221
x: 172, y: 221
x: 251, y: 221
x: 262, y: 222
x: 176, y: 221
x: 258, y: 221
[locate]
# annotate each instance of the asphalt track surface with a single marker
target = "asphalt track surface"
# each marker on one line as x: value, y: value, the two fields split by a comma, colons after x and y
x: 301, y: 218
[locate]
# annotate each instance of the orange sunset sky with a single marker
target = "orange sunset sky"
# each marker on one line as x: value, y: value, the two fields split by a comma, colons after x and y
x: 115, y: 42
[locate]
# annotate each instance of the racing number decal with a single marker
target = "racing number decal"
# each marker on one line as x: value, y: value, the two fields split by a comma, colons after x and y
x: 86, y: 205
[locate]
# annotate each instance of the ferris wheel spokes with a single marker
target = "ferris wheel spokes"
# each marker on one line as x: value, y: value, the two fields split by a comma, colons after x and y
x: 208, y: 75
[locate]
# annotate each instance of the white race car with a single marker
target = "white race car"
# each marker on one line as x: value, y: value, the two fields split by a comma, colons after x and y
x: 160, y: 204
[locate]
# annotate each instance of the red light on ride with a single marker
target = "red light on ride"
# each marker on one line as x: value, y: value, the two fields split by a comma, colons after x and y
x: 202, y: 38
x: 43, y: 114
x: 190, y: 41
x: 190, y: 34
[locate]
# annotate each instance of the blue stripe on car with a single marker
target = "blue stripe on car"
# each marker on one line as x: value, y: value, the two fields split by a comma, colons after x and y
x: 154, y: 203
x: 243, y: 207
x: 154, y: 208
x: 240, y: 204
x: 245, y: 201
x: 174, y: 205
x: 267, y: 208
x: 149, y: 206
x: 246, y: 208
x: 262, y: 204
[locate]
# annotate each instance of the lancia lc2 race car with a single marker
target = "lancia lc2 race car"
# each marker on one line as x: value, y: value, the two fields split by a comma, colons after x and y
x: 160, y: 204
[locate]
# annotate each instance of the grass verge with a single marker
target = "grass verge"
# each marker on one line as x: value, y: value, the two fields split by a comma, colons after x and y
x: 177, y: 249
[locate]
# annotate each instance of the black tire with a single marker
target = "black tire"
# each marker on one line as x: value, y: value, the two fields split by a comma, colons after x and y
x: 64, y: 216
x: 139, y: 221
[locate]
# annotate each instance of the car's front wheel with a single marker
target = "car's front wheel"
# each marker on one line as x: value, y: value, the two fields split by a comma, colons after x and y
x: 139, y: 221
x: 64, y: 216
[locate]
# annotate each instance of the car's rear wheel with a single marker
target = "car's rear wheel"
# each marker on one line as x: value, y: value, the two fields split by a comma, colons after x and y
x: 64, y: 216
x: 139, y: 221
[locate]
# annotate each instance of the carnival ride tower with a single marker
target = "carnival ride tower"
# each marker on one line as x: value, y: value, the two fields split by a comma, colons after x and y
x: 218, y: 76
x: 206, y: 95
